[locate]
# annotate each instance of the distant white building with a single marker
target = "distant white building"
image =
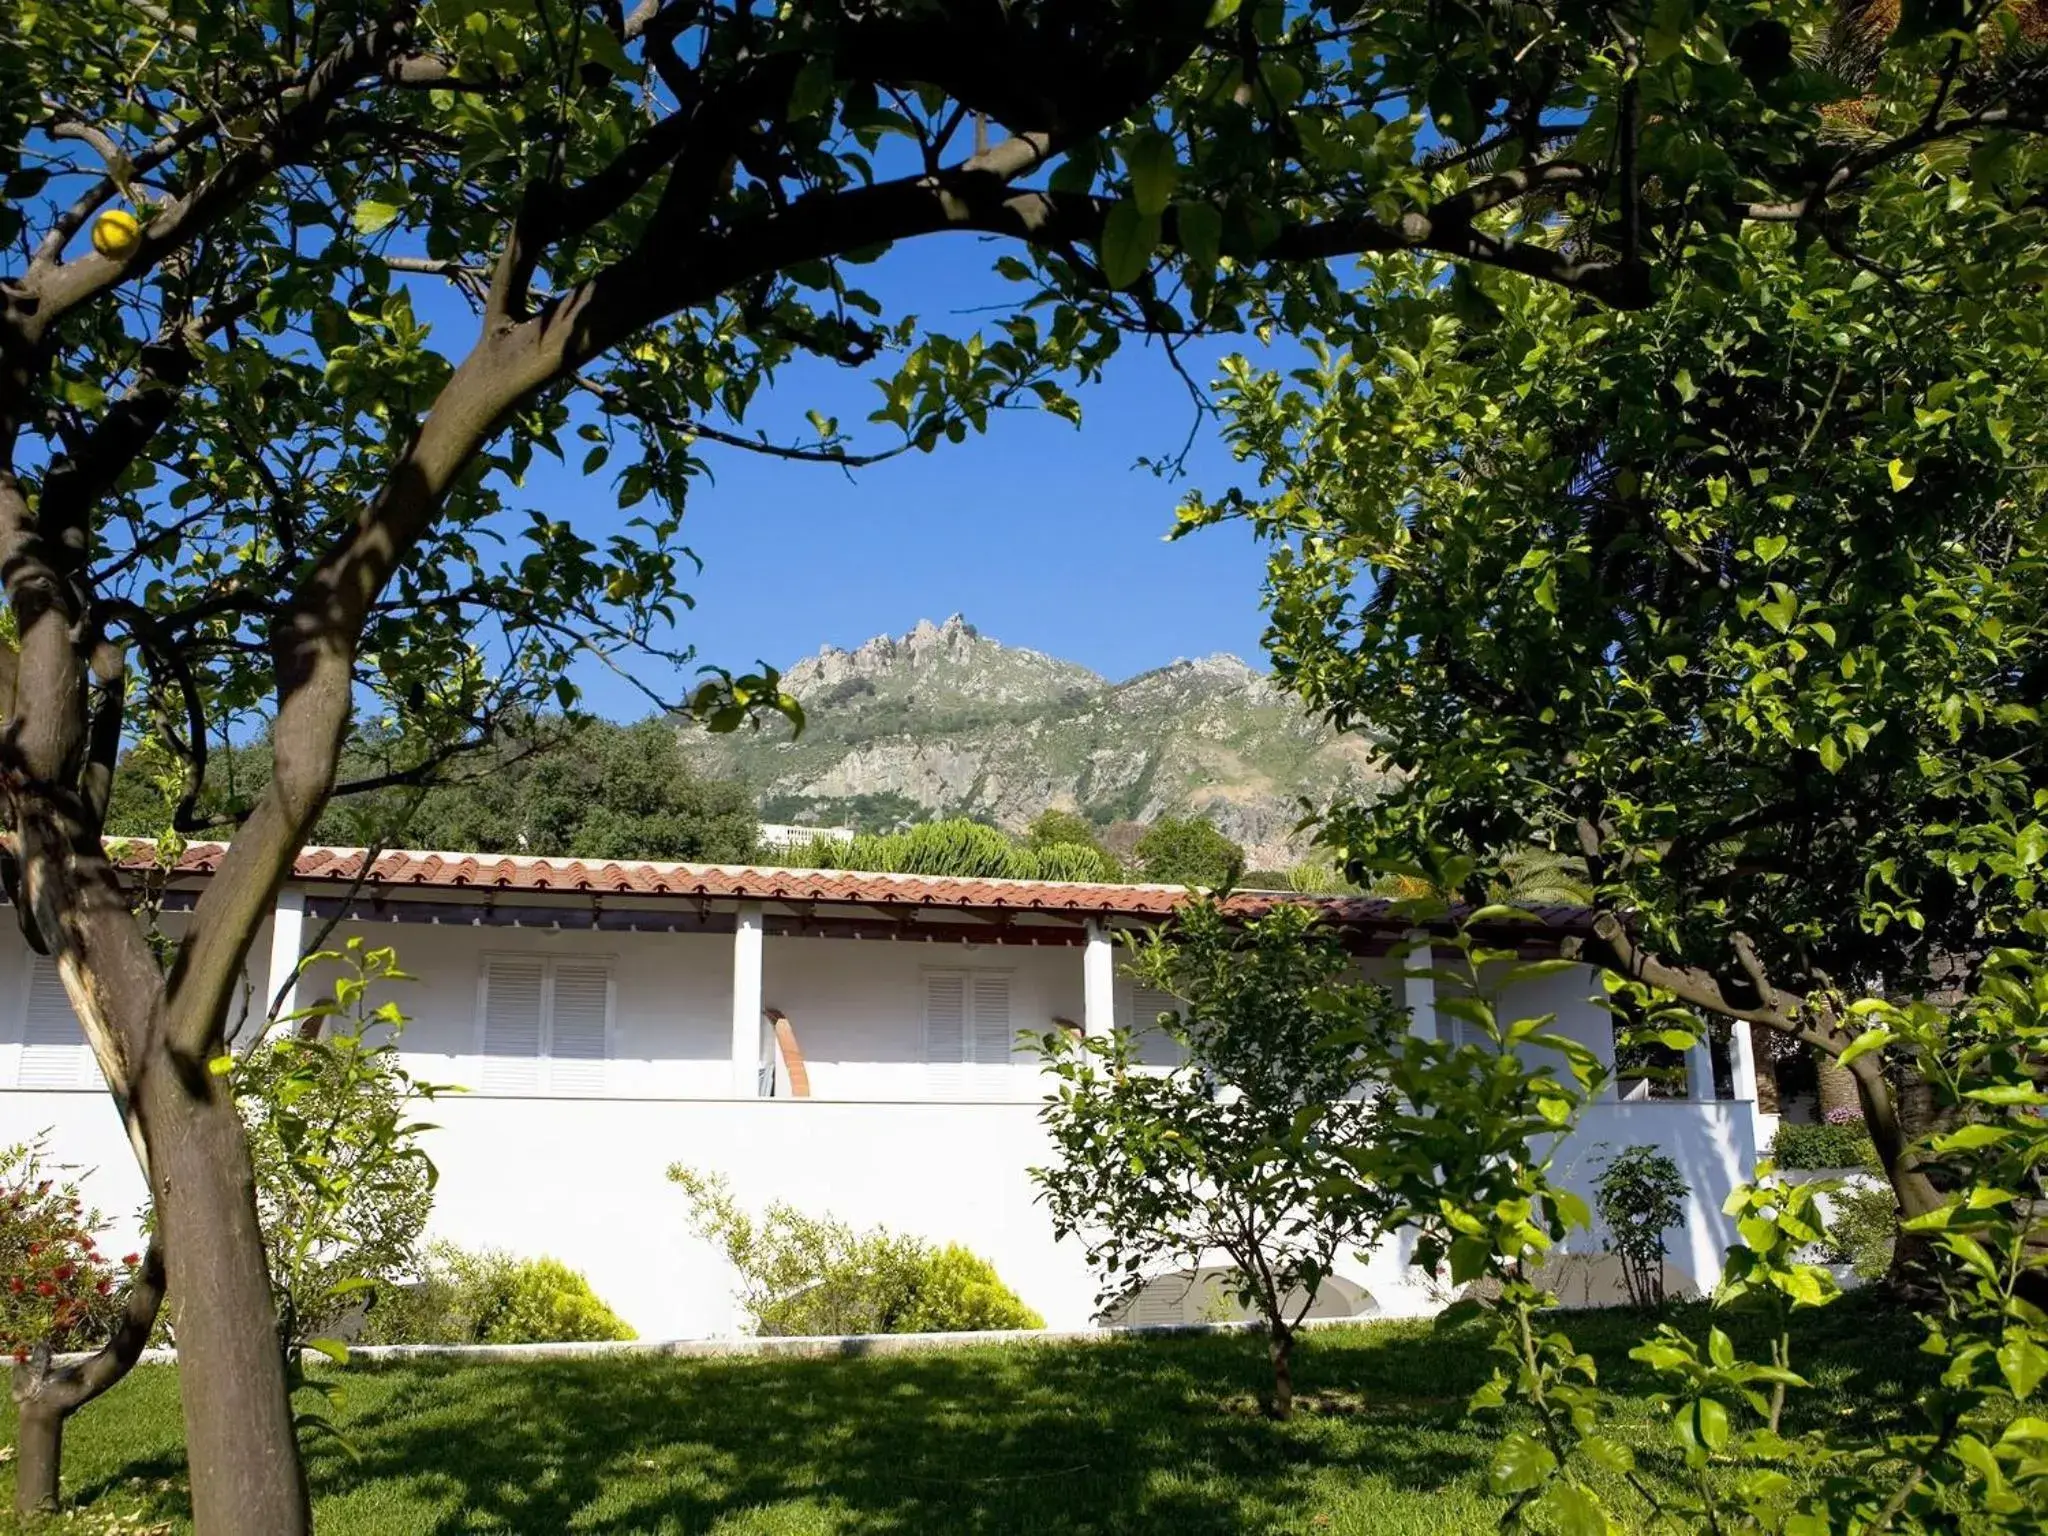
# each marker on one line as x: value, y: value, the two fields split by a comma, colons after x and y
x: 845, y: 1042
x: 780, y: 834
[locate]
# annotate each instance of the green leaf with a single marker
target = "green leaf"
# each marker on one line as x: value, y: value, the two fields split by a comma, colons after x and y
x: 1870, y: 1040
x: 1150, y: 159
x: 2007, y: 1094
x: 1129, y: 236
x: 1199, y: 228
x: 1470, y: 1259
x: 1782, y: 607
x: 1705, y: 1424
x: 1573, y: 1511
x: 1520, y: 1462
x: 371, y: 217
x: 1901, y: 474
x: 1972, y: 1138
x: 1609, y: 1453
x: 2024, y: 1363
x: 333, y: 1349
x: 1972, y: 1253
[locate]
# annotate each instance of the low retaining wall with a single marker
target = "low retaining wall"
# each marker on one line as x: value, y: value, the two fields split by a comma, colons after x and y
x: 821, y: 1346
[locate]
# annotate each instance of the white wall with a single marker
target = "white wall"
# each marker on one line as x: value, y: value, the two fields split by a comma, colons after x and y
x: 1713, y: 1145
x: 672, y: 1000
x: 583, y: 1179
x: 858, y: 1007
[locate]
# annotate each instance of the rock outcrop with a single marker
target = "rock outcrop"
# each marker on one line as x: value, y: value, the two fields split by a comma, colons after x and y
x: 946, y: 721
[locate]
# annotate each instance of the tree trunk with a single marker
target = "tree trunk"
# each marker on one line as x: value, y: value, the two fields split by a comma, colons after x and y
x: 44, y: 1398
x: 1280, y: 1351
x: 38, y: 1453
x: 247, y: 1479
x: 1837, y: 1087
x: 1763, y: 1051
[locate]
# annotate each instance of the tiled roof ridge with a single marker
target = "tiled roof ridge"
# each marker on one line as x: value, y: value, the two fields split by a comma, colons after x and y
x: 438, y: 869
x: 318, y: 860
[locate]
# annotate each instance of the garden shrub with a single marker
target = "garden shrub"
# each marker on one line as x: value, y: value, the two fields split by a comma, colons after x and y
x: 55, y: 1286
x: 1842, y: 1144
x: 955, y: 847
x: 489, y: 1296
x: 1864, y: 1229
x: 805, y: 1276
x: 1640, y: 1196
x: 955, y: 1290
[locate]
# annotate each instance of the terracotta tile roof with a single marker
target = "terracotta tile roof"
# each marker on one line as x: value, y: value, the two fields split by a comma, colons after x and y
x: 397, y: 870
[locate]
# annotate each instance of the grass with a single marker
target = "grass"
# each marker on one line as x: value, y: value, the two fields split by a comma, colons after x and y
x: 1139, y: 1436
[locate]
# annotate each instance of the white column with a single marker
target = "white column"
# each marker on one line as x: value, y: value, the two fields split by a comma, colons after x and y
x: 746, y: 1002
x: 1742, y: 1061
x: 1699, y: 1068
x: 1419, y: 992
x: 1098, y: 980
x: 1742, y: 1072
x: 287, y: 946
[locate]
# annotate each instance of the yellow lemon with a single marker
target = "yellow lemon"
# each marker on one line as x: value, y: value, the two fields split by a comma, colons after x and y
x: 115, y: 232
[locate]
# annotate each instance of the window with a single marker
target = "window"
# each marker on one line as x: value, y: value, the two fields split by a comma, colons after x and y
x: 968, y: 1035
x: 53, y: 1049
x: 545, y: 1024
x: 1139, y: 1012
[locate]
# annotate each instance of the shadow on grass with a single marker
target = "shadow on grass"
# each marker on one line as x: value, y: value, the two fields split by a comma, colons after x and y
x: 1109, y: 1437
x: 1152, y: 1435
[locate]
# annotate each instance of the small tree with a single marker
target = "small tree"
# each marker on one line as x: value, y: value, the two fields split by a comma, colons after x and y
x: 1236, y: 1150
x: 343, y: 1186
x: 1189, y: 851
x: 1640, y: 1197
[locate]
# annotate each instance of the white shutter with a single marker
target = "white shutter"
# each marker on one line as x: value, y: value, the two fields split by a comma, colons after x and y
x: 993, y: 1036
x: 53, y: 1049
x: 576, y: 1036
x: 512, y: 1025
x: 945, y: 1033
x: 1156, y: 1048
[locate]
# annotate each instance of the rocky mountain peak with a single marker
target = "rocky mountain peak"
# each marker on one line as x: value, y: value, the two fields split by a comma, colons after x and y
x: 942, y: 720
x: 952, y: 661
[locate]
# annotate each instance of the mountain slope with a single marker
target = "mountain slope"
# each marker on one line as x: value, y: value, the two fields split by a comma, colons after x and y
x: 945, y: 721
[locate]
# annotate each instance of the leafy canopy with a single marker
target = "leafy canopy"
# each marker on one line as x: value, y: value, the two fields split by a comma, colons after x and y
x: 1738, y: 602
x: 1188, y: 850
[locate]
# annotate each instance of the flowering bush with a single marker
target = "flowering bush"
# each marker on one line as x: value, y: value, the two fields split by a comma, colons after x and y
x: 1844, y: 1114
x: 55, y: 1286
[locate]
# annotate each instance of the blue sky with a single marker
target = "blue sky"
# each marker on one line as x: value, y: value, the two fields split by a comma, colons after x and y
x: 1044, y: 534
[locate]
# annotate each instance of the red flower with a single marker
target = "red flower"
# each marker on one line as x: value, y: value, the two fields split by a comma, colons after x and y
x: 63, y: 1271
x: 131, y: 1258
x: 44, y: 1288
x: 105, y: 1287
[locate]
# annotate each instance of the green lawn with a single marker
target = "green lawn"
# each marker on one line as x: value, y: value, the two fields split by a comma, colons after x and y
x: 1157, y: 1436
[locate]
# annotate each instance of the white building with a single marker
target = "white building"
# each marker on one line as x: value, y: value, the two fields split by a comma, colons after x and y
x: 609, y: 1019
